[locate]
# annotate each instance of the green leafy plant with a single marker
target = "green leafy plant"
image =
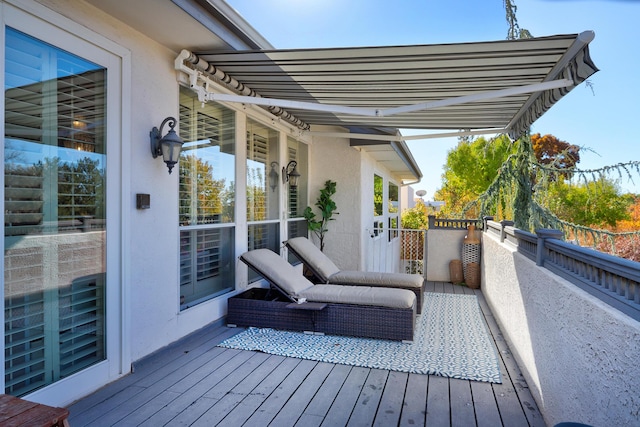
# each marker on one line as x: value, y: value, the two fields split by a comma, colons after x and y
x: 319, y: 225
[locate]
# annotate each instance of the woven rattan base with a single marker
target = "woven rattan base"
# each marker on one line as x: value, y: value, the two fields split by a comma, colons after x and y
x: 267, y: 308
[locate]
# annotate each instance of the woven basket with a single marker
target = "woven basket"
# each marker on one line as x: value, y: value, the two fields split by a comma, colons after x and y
x: 472, y: 277
x: 470, y: 253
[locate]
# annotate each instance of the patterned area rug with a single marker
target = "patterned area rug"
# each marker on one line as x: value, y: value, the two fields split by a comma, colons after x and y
x: 451, y: 340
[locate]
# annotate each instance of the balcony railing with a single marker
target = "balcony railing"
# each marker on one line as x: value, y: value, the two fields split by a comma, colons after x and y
x: 611, y: 279
x: 450, y: 224
x: 614, y: 280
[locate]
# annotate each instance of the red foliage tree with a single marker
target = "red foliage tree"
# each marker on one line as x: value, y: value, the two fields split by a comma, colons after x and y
x: 551, y: 151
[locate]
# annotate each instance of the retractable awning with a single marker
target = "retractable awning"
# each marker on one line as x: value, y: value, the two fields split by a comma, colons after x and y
x: 501, y: 85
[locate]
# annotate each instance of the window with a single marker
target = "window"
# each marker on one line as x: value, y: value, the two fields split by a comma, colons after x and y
x: 378, y: 204
x: 393, y: 198
x: 377, y: 195
x: 297, y: 198
x: 263, y: 208
x: 55, y: 213
x: 206, y: 202
x: 392, y: 207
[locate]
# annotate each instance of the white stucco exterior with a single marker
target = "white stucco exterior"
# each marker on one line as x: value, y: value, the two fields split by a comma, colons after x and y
x: 335, y: 160
x: 586, y: 372
x: 349, y: 241
x: 443, y: 246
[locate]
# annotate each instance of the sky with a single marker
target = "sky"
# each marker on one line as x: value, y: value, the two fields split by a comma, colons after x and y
x: 599, y: 119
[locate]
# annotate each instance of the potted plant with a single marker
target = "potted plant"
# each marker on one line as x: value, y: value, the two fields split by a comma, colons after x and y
x: 319, y: 225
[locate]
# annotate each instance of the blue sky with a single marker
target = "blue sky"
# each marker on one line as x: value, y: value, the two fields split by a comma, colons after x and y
x: 599, y: 120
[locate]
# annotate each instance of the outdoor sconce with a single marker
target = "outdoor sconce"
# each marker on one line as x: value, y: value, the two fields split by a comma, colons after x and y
x: 273, y: 176
x: 290, y: 174
x: 167, y: 146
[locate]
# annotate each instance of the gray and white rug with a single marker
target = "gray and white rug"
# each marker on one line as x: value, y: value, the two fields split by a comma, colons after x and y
x: 450, y: 340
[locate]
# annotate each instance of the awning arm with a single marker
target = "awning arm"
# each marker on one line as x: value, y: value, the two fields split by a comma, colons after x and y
x: 484, y: 96
x: 369, y: 112
x: 387, y: 138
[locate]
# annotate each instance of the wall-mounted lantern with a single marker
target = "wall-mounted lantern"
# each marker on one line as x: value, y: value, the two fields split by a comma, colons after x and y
x: 167, y: 146
x: 290, y: 174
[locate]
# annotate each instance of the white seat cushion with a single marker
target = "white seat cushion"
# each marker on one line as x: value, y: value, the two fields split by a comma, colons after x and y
x: 360, y: 295
x: 313, y: 257
x: 277, y: 270
x: 370, y: 278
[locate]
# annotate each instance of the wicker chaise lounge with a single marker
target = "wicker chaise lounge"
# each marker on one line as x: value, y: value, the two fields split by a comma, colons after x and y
x: 325, y: 271
x: 361, y: 311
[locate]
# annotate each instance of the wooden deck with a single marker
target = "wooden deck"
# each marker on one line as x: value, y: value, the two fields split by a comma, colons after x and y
x: 195, y: 383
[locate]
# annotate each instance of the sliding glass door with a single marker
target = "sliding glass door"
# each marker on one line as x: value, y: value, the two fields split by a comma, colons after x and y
x: 55, y: 213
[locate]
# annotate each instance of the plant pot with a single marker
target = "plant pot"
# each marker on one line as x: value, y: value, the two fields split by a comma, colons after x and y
x: 472, y: 278
x: 455, y: 272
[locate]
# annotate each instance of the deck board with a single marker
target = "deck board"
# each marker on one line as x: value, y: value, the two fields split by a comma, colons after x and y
x: 324, y: 398
x: 276, y: 400
x: 461, y: 401
x: 345, y: 401
x: 414, y: 408
x: 390, y: 407
x: 248, y: 406
x: 195, y: 383
x: 366, y: 406
x: 438, y: 408
x: 295, y: 406
x: 484, y: 405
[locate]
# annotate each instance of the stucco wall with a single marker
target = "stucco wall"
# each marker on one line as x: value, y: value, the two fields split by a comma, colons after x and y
x: 443, y: 246
x: 578, y: 355
x: 333, y: 159
x: 348, y: 242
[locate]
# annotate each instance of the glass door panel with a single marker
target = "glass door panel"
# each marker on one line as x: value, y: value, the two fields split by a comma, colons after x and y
x: 55, y: 221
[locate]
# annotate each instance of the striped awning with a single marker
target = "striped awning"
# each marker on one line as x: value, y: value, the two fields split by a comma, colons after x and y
x: 503, y: 85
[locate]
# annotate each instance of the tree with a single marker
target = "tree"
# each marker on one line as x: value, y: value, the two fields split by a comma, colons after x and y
x: 624, y: 242
x: 593, y: 204
x: 415, y: 218
x: 470, y: 169
x: 633, y: 222
x: 491, y: 174
x: 551, y: 151
x: 525, y: 178
x: 523, y: 191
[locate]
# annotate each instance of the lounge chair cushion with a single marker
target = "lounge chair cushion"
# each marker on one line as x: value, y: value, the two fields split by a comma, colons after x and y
x: 320, y: 264
x: 360, y: 295
x: 277, y: 271
x: 389, y: 280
